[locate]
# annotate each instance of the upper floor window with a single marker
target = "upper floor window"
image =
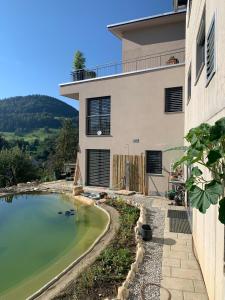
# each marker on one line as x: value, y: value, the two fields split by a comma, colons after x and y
x: 154, y: 162
x: 174, y: 99
x: 98, y: 116
x: 200, y: 48
x: 210, y: 52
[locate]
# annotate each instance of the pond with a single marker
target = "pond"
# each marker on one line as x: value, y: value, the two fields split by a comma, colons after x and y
x: 38, y: 240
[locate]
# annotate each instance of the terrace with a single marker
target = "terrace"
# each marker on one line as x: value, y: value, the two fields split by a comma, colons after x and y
x: 148, y: 62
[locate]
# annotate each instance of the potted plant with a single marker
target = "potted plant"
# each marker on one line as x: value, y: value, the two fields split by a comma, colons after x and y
x: 206, y: 151
x: 172, y: 60
x: 78, y: 66
x: 79, y: 70
x: 171, y: 194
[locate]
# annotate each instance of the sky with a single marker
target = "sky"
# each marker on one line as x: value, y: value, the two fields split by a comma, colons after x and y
x: 38, y: 39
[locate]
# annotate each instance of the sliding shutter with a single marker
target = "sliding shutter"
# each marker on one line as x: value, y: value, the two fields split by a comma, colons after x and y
x: 154, y: 162
x: 210, y: 55
x: 174, y: 99
x: 98, y: 167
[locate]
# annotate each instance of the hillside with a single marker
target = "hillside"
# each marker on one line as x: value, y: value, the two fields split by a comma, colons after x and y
x: 24, y: 114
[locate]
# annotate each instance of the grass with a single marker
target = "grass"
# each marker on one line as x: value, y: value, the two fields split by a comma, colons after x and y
x: 40, y: 134
x: 103, y: 278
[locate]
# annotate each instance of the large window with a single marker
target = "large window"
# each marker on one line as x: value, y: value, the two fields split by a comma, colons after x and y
x: 98, y: 116
x: 200, y: 48
x: 174, y: 99
x: 154, y: 162
x: 210, y: 52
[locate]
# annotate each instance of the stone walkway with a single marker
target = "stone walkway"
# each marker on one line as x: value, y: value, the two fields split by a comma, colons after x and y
x: 170, y: 269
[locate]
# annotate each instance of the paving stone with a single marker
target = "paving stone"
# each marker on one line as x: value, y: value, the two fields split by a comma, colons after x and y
x: 166, y: 271
x: 178, y: 284
x: 172, y: 262
x: 174, y: 253
x: 176, y: 295
x: 184, y: 236
x: 199, y: 286
x: 195, y: 296
x: 164, y: 294
x: 189, y: 264
x: 184, y: 248
x: 186, y: 273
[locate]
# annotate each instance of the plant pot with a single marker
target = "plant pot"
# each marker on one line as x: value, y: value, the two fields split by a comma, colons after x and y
x: 146, y: 232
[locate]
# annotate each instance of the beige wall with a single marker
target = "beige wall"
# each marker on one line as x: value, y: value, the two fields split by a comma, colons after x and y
x: 153, y: 40
x: 137, y: 112
x: 207, y: 104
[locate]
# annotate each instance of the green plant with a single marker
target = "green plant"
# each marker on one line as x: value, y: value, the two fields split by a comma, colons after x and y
x: 171, y: 194
x: 206, y: 152
x: 79, y: 61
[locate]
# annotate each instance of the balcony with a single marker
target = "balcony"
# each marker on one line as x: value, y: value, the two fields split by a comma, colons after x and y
x: 139, y: 64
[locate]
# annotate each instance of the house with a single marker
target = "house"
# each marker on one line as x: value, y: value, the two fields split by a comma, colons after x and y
x: 135, y: 107
x: 205, y: 102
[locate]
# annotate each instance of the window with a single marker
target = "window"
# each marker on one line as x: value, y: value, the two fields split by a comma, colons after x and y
x: 174, y: 99
x: 210, y: 52
x: 200, y: 48
x: 154, y: 162
x: 98, y: 116
x: 189, y: 85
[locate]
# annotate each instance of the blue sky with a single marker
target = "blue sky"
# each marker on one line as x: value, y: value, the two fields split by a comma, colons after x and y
x: 38, y: 39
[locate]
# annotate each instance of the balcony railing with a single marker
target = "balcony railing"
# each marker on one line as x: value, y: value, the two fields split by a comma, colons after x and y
x: 141, y: 63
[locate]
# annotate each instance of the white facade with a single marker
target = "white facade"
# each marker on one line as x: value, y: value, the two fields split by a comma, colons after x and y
x: 207, y: 104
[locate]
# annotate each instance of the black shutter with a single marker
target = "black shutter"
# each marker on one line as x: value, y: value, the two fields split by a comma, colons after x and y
x: 98, y: 116
x: 210, y: 55
x: 154, y: 162
x: 174, y: 99
x: 98, y: 167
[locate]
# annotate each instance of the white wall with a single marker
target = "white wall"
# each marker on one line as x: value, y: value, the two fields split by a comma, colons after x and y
x: 207, y: 104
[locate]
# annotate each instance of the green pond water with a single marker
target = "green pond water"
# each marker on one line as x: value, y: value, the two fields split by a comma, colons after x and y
x: 37, y: 243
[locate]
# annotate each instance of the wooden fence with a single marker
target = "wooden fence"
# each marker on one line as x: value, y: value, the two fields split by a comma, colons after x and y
x: 133, y: 167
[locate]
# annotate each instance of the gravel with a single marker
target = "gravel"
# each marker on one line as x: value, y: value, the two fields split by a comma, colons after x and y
x: 146, y: 283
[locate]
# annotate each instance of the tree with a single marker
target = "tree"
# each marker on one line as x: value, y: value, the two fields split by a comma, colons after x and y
x: 206, y: 151
x: 15, y: 167
x: 66, y: 145
x: 79, y: 61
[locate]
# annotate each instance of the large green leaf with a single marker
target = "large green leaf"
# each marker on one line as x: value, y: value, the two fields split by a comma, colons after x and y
x: 196, y: 171
x: 218, y: 130
x: 222, y: 211
x: 213, y: 156
x: 202, y: 199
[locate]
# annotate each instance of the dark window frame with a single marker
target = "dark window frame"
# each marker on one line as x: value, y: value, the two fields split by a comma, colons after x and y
x: 100, y: 117
x: 201, y: 47
x: 212, y: 28
x: 168, y: 107
x: 149, y: 167
x: 189, y: 84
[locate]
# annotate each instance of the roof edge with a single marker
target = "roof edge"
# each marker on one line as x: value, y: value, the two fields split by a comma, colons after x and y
x: 111, y: 26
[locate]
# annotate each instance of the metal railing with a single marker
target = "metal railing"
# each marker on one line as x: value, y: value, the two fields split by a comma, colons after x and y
x: 141, y: 63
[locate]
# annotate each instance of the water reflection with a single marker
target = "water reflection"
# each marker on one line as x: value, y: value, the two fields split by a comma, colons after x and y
x: 7, y: 199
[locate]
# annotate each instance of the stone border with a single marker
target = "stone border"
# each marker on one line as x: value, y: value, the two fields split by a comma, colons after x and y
x: 123, y: 290
x: 73, y: 264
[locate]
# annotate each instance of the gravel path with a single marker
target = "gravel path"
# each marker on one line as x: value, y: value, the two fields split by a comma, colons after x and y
x: 150, y: 271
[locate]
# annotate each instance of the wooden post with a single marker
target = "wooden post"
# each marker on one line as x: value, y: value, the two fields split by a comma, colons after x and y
x: 127, y: 172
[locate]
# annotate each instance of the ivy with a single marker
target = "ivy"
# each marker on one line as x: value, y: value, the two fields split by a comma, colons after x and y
x: 206, y: 151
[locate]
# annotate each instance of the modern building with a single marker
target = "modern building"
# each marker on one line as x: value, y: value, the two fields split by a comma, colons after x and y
x: 134, y: 107
x: 205, y: 102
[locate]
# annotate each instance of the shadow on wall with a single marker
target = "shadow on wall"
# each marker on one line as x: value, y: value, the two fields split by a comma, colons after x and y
x: 156, y: 35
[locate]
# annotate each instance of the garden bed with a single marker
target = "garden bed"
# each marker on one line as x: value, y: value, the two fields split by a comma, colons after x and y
x: 103, y: 278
